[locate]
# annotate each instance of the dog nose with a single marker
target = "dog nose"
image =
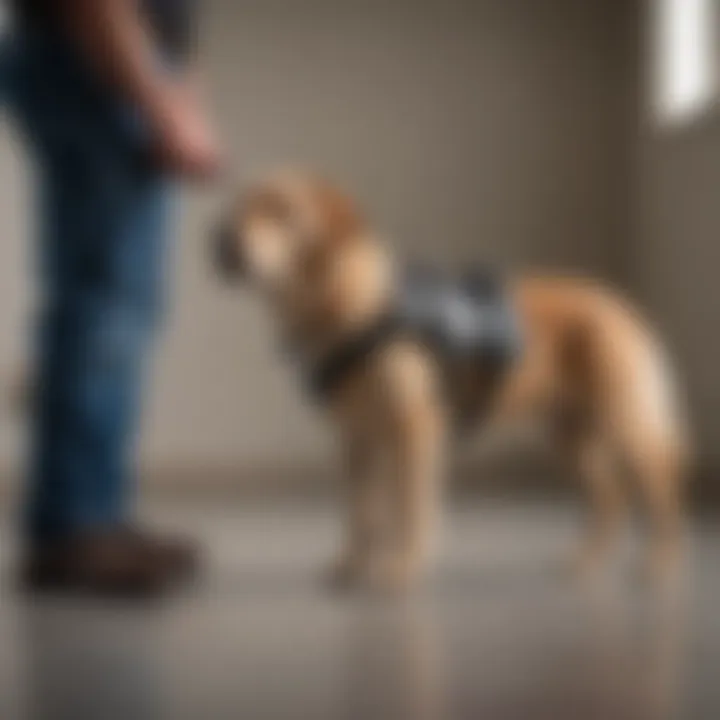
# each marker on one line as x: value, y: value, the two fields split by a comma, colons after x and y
x: 226, y: 256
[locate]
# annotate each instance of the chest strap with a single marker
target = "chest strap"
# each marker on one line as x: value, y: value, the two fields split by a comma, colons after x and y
x: 341, y: 362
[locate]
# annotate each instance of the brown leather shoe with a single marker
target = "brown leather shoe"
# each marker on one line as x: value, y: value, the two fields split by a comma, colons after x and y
x: 178, y: 555
x: 107, y: 563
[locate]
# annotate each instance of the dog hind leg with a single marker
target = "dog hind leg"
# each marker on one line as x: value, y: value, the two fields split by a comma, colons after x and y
x: 593, y: 458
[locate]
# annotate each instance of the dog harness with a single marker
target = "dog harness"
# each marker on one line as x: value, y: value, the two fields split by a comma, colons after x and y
x: 467, y: 321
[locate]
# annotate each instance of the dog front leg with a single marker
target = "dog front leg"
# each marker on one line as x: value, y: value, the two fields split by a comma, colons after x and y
x: 417, y: 456
x: 366, y: 512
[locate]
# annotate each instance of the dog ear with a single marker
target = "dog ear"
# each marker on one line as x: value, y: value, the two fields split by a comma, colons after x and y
x: 340, y: 265
x: 353, y: 281
x: 341, y: 219
x: 339, y: 224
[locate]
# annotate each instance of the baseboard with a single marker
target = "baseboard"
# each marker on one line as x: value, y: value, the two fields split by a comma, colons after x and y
x: 521, y: 477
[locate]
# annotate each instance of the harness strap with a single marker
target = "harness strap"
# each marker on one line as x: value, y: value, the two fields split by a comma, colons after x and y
x: 340, y: 363
x: 467, y: 324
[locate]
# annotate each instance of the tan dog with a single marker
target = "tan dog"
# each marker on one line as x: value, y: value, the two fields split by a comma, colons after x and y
x: 590, y: 367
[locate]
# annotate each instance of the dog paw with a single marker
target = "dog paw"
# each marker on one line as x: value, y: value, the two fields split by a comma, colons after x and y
x: 393, y: 575
x: 385, y: 575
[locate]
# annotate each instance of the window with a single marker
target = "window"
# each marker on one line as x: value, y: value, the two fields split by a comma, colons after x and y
x: 684, y: 58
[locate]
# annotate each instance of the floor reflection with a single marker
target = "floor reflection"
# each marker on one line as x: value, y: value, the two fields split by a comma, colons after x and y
x: 597, y: 654
x: 89, y: 662
x: 638, y: 647
x: 396, y: 667
x: 261, y: 639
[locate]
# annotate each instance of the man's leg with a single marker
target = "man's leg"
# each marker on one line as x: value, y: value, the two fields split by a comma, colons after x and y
x: 102, y: 225
x: 102, y: 253
x: 103, y: 266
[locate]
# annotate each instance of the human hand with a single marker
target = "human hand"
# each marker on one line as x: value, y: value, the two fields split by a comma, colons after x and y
x: 185, y: 143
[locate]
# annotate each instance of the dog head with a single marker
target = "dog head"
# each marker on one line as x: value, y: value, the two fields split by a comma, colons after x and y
x: 283, y: 228
x: 302, y: 242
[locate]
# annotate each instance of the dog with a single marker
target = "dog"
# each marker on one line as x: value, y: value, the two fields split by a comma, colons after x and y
x: 587, y: 364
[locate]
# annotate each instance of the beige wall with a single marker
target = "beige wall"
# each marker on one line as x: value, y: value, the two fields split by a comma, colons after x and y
x: 489, y: 130
x: 672, y: 262
x: 676, y: 259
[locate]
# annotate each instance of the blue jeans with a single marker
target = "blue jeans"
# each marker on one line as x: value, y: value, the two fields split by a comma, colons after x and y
x: 102, y: 221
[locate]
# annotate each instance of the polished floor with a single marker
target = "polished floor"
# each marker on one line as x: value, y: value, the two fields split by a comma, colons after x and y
x: 498, y: 634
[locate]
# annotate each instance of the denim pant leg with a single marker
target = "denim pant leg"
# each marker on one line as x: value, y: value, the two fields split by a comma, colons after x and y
x: 6, y: 69
x: 94, y: 334
x: 102, y: 220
